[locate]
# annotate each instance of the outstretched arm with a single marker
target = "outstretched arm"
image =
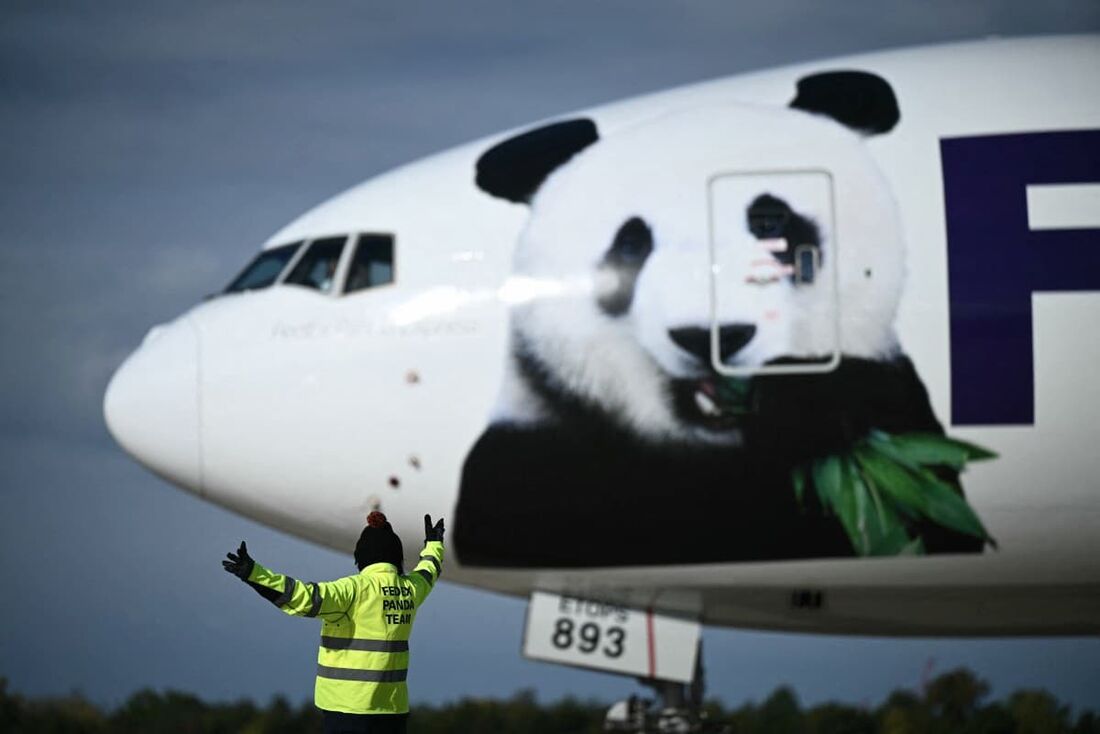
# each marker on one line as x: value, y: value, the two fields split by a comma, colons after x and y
x: 297, y: 598
x: 428, y: 570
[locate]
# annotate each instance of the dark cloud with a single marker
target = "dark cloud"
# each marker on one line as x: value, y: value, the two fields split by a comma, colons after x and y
x: 146, y: 150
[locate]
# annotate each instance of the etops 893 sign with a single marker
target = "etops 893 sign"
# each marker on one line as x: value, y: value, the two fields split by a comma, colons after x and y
x: 594, y: 634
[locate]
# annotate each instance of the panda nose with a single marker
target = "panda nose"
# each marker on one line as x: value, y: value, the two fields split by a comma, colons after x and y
x: 696, y: 341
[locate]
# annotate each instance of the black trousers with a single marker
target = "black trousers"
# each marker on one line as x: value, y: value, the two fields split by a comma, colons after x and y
x: 339, y: 723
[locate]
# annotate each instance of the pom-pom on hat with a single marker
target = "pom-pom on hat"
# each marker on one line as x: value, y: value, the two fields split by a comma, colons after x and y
x: 378, y: 543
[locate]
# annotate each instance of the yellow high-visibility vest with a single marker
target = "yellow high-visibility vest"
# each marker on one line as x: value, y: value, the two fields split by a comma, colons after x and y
x: 366, y: 620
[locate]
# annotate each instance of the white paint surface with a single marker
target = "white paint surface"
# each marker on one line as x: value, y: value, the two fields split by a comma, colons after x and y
x: 1063, y: 206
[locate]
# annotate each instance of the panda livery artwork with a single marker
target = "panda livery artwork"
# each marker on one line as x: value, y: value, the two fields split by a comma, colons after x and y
x: 717, y: 333
x: 795, y: 349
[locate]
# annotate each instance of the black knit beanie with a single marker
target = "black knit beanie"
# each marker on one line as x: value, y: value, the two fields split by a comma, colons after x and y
x: 378, y: 544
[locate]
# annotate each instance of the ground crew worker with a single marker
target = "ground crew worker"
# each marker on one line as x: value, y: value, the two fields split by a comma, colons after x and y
x: 366, y: 621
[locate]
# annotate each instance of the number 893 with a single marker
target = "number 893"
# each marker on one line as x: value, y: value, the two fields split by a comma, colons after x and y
x: 587, y: 638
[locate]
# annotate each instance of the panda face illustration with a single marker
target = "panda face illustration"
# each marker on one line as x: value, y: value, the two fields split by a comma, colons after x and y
x: 630, y: 223
x: 663, y: 296
x: 701, y: 311
x: 634, y: 337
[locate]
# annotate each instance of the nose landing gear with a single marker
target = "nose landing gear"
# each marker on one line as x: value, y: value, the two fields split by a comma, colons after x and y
x: 678, y: 708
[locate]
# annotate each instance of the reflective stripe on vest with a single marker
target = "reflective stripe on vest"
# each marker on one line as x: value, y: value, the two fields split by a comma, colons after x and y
x: 314, y: 602
x: 350, y: 643
x: 288, y: 592
x: 434, y: 560
x: 363, y: 676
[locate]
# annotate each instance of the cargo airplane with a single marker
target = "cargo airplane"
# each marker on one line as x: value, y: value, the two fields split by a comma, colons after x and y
x: 804, y: 349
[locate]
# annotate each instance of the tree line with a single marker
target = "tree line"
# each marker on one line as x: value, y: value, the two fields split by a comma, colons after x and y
x: 953, y: 703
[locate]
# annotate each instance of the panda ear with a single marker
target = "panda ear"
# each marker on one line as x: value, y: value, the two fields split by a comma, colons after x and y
x: 858, y: 99
x: 515, y: 168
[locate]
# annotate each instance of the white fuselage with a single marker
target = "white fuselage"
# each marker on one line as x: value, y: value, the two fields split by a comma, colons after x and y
x: 305, y: 410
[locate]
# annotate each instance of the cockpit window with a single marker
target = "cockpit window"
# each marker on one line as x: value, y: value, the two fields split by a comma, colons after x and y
x: 373, y: 262
x: 317, y: 267
x: 264, y: 269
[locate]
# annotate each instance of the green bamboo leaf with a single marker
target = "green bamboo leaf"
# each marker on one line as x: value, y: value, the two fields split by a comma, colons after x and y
x: 930, y: 448
x: 865, y: 521
x: 913, y: 548
x: 893, y: 479
x: 898, y: 543
x: 933, y: 448
x: 947, y: 507
x: 974, y: 451
x: 851, y: 508
x: 826, y: 475
x: 733, y: 394
x: 880, y: 525
x: 883, y: 444
x: 876, y: 496
x: 885, y: 483
x: 798, y: 479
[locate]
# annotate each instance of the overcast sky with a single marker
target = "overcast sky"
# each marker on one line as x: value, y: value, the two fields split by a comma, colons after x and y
x: 147, y: 149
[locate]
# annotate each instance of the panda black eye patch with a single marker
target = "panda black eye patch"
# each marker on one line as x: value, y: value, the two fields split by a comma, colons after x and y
x: 628, y: 252
x: 769, y: 217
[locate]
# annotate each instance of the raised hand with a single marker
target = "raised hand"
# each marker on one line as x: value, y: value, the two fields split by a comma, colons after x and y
x: 433, y: 533
x: 240, y: 564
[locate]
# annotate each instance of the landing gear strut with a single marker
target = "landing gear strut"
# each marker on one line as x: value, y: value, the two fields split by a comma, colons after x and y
x: 678, y: 708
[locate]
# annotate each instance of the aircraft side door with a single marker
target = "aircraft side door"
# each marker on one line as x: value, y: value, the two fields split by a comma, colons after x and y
x: 773, y: 255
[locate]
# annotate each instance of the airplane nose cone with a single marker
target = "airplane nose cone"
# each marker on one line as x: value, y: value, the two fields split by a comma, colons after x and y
x: 152, y: 404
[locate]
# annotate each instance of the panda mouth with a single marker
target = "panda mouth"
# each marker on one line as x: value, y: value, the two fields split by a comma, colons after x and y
x: 712, y: 402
